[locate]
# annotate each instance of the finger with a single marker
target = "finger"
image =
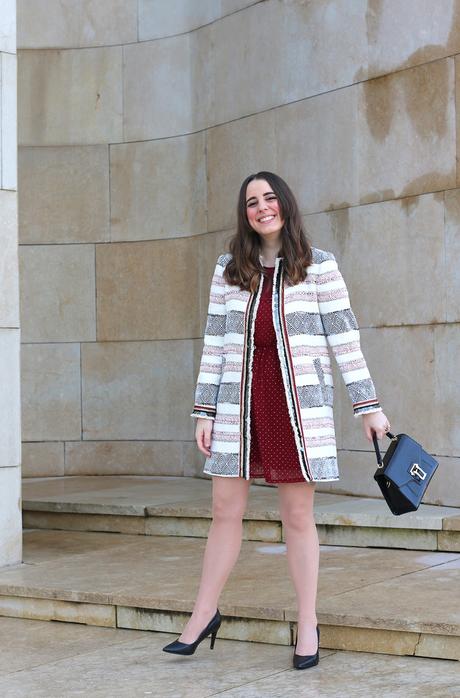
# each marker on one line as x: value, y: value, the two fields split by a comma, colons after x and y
x: 206, y: 442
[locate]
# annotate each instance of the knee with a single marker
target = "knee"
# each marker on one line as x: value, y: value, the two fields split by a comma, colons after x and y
x: 225, y: 509
x: 298, y: 519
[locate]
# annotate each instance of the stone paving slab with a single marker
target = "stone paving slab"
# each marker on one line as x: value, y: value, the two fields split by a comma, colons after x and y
x: 52, y: 660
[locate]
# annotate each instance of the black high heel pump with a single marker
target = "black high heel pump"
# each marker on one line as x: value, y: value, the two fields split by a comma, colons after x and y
x: 212, y: 627
x: 305, y: 661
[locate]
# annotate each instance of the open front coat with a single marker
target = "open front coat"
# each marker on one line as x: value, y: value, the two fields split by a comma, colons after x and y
x: 308, y: 317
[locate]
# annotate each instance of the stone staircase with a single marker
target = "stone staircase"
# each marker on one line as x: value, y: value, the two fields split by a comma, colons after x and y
x: 387, y: 584
x: 178, y: 506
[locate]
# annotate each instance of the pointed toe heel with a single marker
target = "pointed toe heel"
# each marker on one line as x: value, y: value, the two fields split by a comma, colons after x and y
x: 212, y: 627
x: 305, y: 661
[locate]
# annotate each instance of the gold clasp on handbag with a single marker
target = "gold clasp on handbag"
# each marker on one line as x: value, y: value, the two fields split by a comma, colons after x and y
x: 417, y: 471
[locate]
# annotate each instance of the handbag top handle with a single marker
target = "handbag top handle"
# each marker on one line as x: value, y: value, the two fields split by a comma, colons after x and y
x: 376, y: 445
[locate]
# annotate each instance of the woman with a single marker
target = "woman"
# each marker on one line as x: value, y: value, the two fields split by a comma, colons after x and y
x: 264, y: 395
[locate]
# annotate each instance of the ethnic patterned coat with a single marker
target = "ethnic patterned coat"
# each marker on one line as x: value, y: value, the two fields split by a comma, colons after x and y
x: 308, y: 318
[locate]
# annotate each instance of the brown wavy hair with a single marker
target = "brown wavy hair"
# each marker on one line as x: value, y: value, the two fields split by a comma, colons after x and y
x: 244, y: 269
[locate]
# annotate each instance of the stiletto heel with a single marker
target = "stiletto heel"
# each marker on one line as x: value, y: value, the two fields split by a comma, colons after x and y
x: 212, y: 627
x: 213, y: 639
x: 306, y: 661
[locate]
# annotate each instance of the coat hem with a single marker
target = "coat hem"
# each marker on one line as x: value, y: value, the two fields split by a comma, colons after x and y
x: 322, y: 479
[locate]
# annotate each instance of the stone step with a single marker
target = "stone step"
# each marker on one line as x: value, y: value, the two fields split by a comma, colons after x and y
x: 400, y: 602
x: 178, y: 506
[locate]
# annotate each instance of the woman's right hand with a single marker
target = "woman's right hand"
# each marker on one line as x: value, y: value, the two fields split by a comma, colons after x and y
x: 203, y: 434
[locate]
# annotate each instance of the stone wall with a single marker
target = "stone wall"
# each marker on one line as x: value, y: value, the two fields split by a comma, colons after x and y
x: 10, y: 431
x: 138, y: 122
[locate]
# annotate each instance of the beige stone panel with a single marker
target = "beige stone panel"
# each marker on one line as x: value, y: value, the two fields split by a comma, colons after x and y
x: 441, y: 646
x: 398, y: 359
x: 434, y: 33
x: 89, y: 23
x: 316, y: 48
x: 159, y: 103
x: 44, y: 459
x: 452, y: 255
x: 451, y: 523
x: 365, y: 240
x: 53, y: 609
x: 50, y: 380
x: 316, y: 149
x: 110, y: 523
x: 8, y: 121
x: 123, y: 458
x: 71, y: 97
x: 10, y: 407
x: 233, y: 151
x: 368, y: 640
x: 406, y: 140
x: 134, y: 390
x: 446, y: 441
x: 162, y: 19
x: 141, y: 295
x: 8, y: 26
x: 64, y: 194
x: 374, y: 536
x: 62, y: 308
x: 10, y: 517
x: 158, y: 188
x: 323, y: 228
x: 243, y: 629
x: 177, y: 526
x: 267, y: 531
x: 203, y: 77
x: 449, y: 541
x: 357, y: 470
x: 9, y: 291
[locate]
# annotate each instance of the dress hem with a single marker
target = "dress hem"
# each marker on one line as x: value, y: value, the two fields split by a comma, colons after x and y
x: 258, y: 477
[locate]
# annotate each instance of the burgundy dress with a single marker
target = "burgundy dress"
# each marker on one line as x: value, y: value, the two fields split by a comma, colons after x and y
x: 273, y: 454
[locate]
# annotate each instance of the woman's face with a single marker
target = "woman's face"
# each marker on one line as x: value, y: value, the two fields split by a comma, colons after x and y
x: 262, y: 209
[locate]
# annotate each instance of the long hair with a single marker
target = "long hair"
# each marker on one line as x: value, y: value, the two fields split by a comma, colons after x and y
x: 244, y: 269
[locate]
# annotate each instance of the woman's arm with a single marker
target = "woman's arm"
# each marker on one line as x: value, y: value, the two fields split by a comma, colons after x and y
x: 210, y: 372
x: 342, y: 332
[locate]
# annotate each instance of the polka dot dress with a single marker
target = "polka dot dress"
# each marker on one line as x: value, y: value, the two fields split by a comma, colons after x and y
x: 273, y: 454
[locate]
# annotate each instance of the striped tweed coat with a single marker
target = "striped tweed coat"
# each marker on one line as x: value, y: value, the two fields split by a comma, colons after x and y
x: 307, y: 318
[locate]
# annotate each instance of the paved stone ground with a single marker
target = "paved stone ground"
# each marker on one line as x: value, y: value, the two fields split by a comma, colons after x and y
x: 40, y: 659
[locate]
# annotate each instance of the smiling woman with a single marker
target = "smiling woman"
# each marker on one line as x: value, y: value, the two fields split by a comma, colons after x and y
x: 264, y: 394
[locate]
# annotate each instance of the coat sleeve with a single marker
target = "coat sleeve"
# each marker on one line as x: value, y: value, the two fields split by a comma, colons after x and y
x: 210, y: 372
x: 342, y: 332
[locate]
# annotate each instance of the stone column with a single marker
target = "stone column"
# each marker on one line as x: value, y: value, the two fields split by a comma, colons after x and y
x: 10, y: 438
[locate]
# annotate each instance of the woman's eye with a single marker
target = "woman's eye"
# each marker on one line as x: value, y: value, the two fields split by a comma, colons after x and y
x: 268, y: 198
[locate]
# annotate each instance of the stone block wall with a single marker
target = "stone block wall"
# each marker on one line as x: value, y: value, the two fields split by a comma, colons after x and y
x: 138, y: 122
x: 10, y: 428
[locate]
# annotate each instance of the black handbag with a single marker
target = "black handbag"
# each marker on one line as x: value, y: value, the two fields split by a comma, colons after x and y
x: 404, y: 473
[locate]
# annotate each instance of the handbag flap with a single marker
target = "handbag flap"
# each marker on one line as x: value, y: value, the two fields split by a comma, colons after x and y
x: 407, y: 455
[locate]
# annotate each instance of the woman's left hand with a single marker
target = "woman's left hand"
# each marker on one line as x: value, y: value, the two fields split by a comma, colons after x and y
x: 375, y: 421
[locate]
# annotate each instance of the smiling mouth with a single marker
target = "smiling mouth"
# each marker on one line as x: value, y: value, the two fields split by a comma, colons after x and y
x: 266, y: 219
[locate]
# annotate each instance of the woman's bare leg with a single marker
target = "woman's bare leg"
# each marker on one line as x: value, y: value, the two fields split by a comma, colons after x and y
x: 229, y: 501
x: 296, y: 509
